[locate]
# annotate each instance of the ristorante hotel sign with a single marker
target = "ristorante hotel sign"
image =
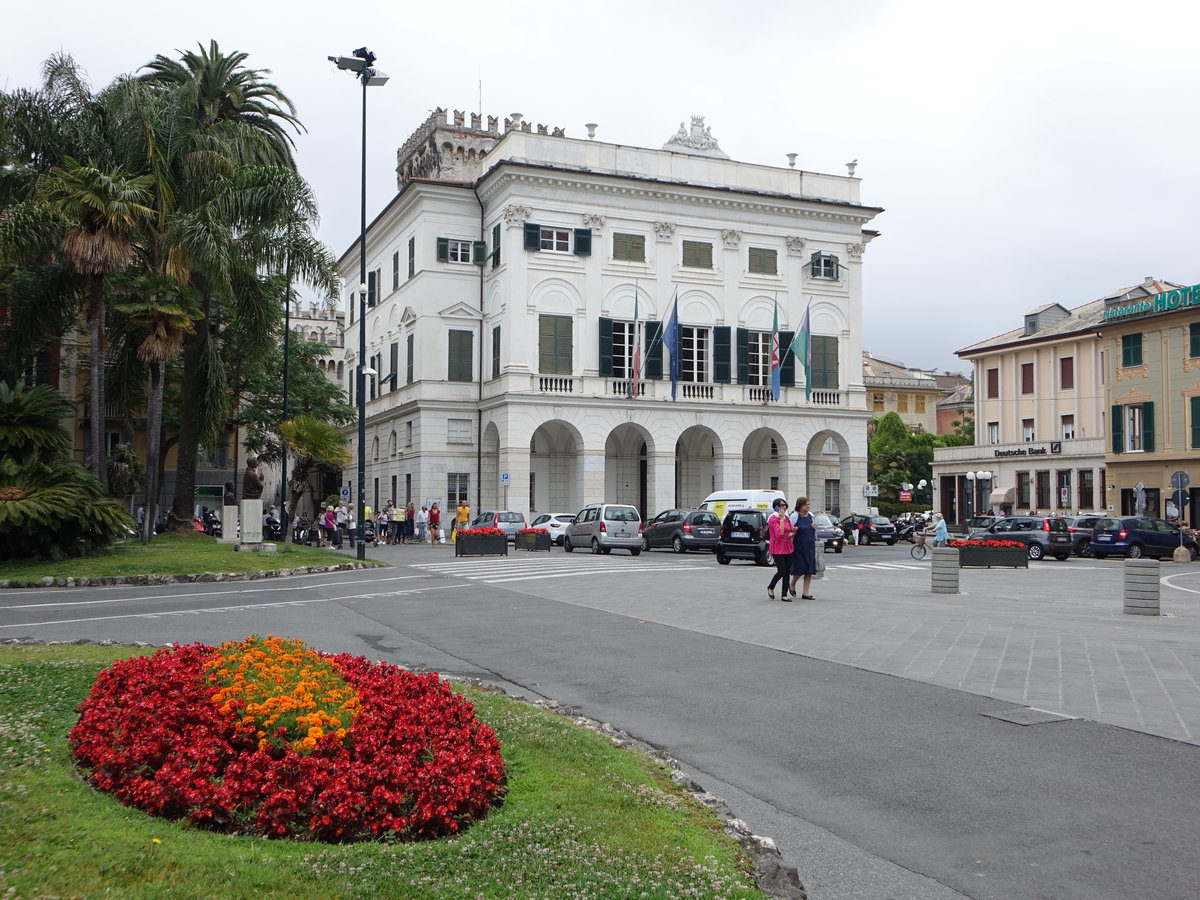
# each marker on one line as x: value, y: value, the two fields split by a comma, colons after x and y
x: 1167, y: 301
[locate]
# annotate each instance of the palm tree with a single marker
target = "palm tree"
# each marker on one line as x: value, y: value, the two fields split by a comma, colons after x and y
x: 310, y: 443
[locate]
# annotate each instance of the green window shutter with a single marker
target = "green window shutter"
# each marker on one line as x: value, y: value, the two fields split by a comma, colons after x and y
x: 496, y: 352
x: 583, y: 242
x: 393, y: 362
x: 533, y: 236
x: 1118, y: 433
x: 606, y: 362
x: 652, y: 365
x: 461, y: 343
x: 1194, y: 339
x: 620, y: 245
x: 396, y: 270
x: 478, y: 252
x: 372, y: 287
x: 721, y: 354
x: 825, y: 362
x: 1195, y: 404
x: 496, y: 245
x: 408, y: 364
x: 743, y: 356
x: 554, y: 345
x: 1148, y: 426
x: 697, y: 255
x: 443, y: 249
x: 412, y: 257
x: 787, y: 372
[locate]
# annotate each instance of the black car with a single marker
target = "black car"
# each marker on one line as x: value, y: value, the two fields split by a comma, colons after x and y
x: 829, y: 533
x: 875, y: 529
x: 744, y: 536
x: 1041, y: 535
x: 682, y: 530
x: 1081, y: 533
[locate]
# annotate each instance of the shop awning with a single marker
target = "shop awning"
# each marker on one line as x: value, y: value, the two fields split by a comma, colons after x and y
x: 1003, y: 497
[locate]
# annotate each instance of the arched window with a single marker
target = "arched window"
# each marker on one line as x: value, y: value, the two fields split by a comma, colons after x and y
x: 392, y: 444
x: 375, y: 449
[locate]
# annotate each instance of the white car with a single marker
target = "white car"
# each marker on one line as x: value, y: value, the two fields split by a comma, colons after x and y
x: 555, y: 523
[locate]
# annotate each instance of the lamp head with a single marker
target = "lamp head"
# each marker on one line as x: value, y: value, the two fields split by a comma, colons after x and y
x: 349, y: 63
x: 365, y: 55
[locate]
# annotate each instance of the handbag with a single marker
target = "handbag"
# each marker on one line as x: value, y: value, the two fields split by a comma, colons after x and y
x: 819, y: 562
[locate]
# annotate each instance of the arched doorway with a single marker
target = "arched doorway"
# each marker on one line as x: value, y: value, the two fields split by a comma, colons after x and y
x: 830, y: 476
x: 554, y: 476
x: 625, y: 468
x: 696, y: 453
x: 764, y: 462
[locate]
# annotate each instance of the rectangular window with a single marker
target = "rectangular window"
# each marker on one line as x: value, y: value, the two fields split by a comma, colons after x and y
x: 396, y: 270
x: 824, y: 265
x: 824, y: 365
x: 458, y: 431
x: 460, y: 351
x: 1023, y: 490
x: 453, y: 250
x: 1068, y: 428
x: 496, y: 352
x: 1063, y: 500
x: 496, y: 245
x: 1043, y: 490
x: 1066, y: 373
x: 1194, y: 339
x: 622, y: 349
x: 408, y: 365
x: 372, y: 287
x: 902, y: 403
x: 993, y: 431
x: 693, y: 354
x: 763, y: 261
x: 1133, y: 426
x: 1027, y: 433
x: 877, y: 402
x: 993, y: 384
x: 920, y: 398
x: 1131, y: 350
x: 1194, y: 404
x: 412, y: 259
x: 554, y: 345
x: 407, y: 487
x: 697, y: 255
x: 1087, y: 490
x: 557, y: 240
x: 394, y: 364
x: 1026, y: 378
x: 631, y: 247
x: 458, y: 485
x: 393, y: 494
x: 758, y: 358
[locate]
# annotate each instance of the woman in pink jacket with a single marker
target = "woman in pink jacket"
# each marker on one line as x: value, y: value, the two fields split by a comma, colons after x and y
x: 779, y: 533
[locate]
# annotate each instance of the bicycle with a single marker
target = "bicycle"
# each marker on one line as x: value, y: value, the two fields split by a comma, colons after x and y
x: 919, y: 550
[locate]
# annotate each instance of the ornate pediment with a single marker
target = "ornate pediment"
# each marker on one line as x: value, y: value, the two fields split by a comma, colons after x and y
x: 697, y: 140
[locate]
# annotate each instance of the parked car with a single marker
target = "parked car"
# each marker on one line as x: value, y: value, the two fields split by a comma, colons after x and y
x: 506, y: 520
x: 1138, y: 536
x: 829, y: 533
x: 875, y: 529
x: 744, y: 536
x: 554, y: 523
x: 604, y: 527
x: 1081, y: 533
x: 682, y: 530
x: 1041, y: 535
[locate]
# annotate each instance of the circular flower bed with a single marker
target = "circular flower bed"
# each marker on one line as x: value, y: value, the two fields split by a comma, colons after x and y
x: 267, y: 736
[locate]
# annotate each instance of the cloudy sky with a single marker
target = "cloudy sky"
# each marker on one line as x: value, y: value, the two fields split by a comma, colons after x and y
x: 1025, y: 152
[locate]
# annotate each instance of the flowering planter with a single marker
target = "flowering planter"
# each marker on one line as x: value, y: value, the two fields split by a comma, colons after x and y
x: 1016, y: 557
x: 532, y: 541
x: 481, y: 545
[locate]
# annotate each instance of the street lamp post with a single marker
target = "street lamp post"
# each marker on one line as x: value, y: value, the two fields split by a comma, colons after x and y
x: 362, y: 65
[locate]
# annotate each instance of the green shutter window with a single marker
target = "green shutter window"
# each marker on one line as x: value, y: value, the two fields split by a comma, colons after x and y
x: 554, y: 345
x: 606, y: 361
x: 496, y: 352
x: 1131, y: 350
x: 1148, y: 426
x: 461, y: 343
x: 478, y: 252
x: 629, y: 246
x: 583, y: 242
x: 787, y: 371
x: 443, y: 249
x: 697, y: 255
x: 408, y: 365
x: 1118, y: 430
x: 412, y: 257
x: 743, y: 356
x: 652, y: 365
x: 393, y: 362
x: 824, y: 367
x: 1195, y: 404
x: 763, y: 261
x: 496, y: 245
x: 721, y: 354
x: 1194, y: 339
x: 372, y: 287
x: 396, y: 270
x: 533, y: 236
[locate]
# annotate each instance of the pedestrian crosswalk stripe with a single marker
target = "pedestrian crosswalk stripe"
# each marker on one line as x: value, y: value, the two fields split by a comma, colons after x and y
x: 502, y: 571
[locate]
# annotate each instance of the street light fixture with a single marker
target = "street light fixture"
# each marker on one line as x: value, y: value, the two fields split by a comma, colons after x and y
x: 361, y: 64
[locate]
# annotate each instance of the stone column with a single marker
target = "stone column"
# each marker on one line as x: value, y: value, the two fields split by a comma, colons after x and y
x: 229, y: 525
x: 252, y: 514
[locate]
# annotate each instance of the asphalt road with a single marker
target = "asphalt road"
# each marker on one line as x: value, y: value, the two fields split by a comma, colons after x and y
x: 874, y: 785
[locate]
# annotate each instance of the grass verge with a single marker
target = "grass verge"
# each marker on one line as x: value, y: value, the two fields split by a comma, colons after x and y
x: 169, y: 554
x: 583, y: 819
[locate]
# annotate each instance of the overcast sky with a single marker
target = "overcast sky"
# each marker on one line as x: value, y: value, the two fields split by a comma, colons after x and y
x: 1025, y: 152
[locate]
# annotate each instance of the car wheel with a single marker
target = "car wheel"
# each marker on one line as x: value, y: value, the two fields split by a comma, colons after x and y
x: 677, y: 545
x: 1062, y: 557
x: 645, y: 543
x: 635, y: 552
x: 722, y: 559
x: 1195, y: 553
x: 596, y: 546
x: 1084, y: 549
x: 567, y: 547
x: 891, y: 543
x: 837, y: 549
x: 1036, y: 551
x: 1135, y: 551
x: 765, y: 558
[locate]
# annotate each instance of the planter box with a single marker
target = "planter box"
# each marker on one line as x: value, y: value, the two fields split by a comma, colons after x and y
x: 532, y: 542
x: 1016, y: 557
x: 481, y: 545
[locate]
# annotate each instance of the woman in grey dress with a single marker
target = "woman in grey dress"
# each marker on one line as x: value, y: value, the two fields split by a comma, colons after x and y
x: 804, y: 552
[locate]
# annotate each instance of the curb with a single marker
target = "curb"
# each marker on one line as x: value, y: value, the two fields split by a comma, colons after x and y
x: 198, y: 578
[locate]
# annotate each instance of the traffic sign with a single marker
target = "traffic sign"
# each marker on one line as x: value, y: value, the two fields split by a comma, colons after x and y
x: 906, y: 496
x: 346, y: 494
x: 870, y: 490
x: 1180, y: 497
x: 504, y: 478
x: 1179, y: 480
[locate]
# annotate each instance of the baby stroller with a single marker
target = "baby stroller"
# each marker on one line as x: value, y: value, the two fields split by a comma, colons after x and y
x: 369, y: 536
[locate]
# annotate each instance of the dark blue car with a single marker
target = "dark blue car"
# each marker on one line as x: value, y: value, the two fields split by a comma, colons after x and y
x: 1138, y: 536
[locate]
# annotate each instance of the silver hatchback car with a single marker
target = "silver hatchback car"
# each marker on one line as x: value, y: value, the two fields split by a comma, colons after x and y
x: 604, y: 526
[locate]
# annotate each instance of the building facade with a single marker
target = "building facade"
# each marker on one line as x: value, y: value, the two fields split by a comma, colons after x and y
x: 521, y: 285
x: 910, y: 393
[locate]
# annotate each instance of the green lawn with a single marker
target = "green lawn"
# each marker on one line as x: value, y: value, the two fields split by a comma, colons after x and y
x: 583, y: 819
x: 170, y: 554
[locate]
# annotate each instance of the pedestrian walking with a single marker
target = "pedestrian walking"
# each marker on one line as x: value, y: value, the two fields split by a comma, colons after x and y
x: 462, y: 515
x: 779, y: 532
x: 422, y: 524
x: 410, y: 519
x: 804, y: 549
x: 435, y: 524
x: 351, y: 525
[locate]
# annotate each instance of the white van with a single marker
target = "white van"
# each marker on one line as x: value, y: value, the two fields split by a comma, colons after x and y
x: 720, y: 501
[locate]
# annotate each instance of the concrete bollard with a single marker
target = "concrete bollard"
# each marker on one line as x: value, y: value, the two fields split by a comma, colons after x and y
x: 945, y: 570
x: 1141, y: 587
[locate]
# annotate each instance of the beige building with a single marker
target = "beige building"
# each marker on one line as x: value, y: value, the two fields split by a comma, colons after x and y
x: 893, y: 387
x: 1151, y: 341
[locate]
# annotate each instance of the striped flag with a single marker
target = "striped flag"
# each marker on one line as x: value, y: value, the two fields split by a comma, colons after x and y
x: 802, y: 349
x: 636, y: 373
x: 776, y: 360
x: 671, y: 340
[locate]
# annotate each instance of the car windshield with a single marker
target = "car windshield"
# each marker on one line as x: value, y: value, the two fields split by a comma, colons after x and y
x: 744, y: 520
x: 621, y: 514
x: 880, y: 520
x: 509, y: 517
x: 822, y: 520
x: 1106, y: 524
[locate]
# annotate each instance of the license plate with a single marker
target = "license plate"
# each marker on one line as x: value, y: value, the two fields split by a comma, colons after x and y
x: 705, y: 532
x: 741, y: 534
x: 1104, y: 537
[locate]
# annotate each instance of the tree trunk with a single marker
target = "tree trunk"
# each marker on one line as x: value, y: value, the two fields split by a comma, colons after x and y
x: 154, y: 410
x: 94, y: 299
x: 190, y: 393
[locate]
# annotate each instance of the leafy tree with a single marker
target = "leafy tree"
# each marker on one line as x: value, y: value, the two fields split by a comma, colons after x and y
x: 310, y: 443
x: 50, y: 506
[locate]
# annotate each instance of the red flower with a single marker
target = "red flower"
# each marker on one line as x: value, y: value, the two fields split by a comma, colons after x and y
x: 485, y: 531
x: 533, y: 531
x: 990, y: 543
